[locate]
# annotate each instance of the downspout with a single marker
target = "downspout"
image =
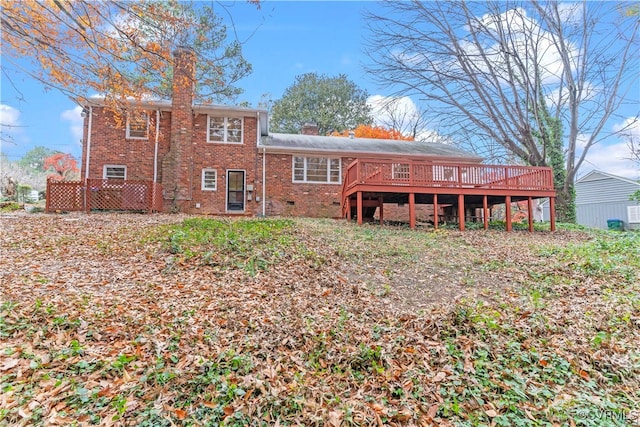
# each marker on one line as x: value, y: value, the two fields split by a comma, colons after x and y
x: 264, y: 171
x: 155, y: 154
x: 86, y: 168
x: 264, y: 181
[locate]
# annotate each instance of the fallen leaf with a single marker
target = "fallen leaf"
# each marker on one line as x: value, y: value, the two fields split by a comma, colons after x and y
x: 439, y: 377
x: 491, y: 413
x: 9, y: 364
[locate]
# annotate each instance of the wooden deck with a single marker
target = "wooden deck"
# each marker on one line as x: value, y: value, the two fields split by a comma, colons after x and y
x: 370, y: 183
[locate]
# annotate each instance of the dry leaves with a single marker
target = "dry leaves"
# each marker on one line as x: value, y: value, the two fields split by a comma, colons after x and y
x: 363, y: 327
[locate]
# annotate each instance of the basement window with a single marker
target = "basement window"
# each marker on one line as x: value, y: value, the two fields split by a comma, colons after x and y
x: 138, y: 125
x: 224, y: 129
x: 317, y: 170
x: 114, y: 172
x: 209, y: 179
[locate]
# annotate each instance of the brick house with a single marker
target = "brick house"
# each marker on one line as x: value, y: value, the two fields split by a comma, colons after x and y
x: 221, y: 160
x: 181, y: 156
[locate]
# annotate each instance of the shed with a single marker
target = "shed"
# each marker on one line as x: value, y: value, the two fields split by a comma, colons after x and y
x: 601, y: 196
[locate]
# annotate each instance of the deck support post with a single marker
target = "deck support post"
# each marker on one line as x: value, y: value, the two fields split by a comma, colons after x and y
x: 359, y: 207
x: 412, y: 210
x: 349, y: 208
x: 485, y: 212
x: 435, y: 212
x: 380, y: 205
x: 530, y: 212
x: 461, y: 212
x: 507, y: 211
x: 552, y: 212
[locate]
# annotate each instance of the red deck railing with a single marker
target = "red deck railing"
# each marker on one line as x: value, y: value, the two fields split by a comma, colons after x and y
x: 104, y: 194
x: 409, y: 173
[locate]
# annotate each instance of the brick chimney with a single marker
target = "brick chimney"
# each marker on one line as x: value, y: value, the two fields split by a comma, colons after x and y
x: 177, y: 163
x: 310, y: 129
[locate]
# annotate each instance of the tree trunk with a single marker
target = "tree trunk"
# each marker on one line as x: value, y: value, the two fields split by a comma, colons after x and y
x: 566, y: 203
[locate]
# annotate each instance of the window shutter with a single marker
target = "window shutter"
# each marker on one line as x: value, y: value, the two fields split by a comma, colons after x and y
x: 633, y: 214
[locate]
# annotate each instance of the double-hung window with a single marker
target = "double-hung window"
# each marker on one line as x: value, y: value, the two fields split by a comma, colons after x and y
x: 224, y: 129
x: 317, y: 170
x: 138, y: 125
x: 209, y: 179
x: 114, y: 172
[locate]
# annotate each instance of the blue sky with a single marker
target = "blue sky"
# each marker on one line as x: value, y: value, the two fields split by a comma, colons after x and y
x: 281, y: 40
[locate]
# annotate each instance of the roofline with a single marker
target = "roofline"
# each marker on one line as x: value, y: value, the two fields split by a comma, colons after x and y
x: 621, y: 178
x: 166, y: 105
x: 358, y: 154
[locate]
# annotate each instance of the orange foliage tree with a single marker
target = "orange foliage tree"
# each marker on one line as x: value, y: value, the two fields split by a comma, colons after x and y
x: 376, y: 132
x: 121, y: 50
x: 63, y: 166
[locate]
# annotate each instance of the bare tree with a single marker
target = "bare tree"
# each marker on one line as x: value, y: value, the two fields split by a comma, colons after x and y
x: 517, y: 73
x: 403, y: 115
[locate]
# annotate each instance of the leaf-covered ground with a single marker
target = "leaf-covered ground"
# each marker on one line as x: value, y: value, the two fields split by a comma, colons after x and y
x: 154, y: 320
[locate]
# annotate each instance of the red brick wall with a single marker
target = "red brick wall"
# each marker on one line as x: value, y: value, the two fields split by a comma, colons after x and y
x: 110, y: 146
x: 176, y: 164
x: 223, y: 157
x: 288, y: 198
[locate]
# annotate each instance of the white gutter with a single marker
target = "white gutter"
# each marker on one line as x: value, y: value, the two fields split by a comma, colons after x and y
x: 155, y: 154
x: 86, y: 168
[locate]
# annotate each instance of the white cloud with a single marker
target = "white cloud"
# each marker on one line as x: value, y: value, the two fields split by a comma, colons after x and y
x: 630, y: 127
x: 11, y: 128
x: 75, y: 119
x: 387, y: 110
x: 570, y: 12
x: 581, y: 141
x: 526, y: 39
x: 611, y: 158
x: 402, y: 114
x: 9, y: 117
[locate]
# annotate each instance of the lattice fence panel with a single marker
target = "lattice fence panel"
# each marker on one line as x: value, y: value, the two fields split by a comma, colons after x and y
x: 65, y: 196
x: 102, y: 194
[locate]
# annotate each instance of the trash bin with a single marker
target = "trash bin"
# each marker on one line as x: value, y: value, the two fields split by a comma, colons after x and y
x: 615, y: 224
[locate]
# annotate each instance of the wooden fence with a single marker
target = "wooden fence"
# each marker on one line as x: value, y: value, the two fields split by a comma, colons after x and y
x: 103, y: 195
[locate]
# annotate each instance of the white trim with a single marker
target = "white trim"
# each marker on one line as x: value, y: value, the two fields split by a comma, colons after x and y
x: 225, y: 129
x: 633, y: 214
x: 606, y: 175
x: 264, y: 183
x: 244, y: 191
x: 304, y: 170
x: 155, y: 153
x: 104, y: 171
x: 86, y: 169
x: 367, y: 154
x: 128, y: 132
x: 202, y: 184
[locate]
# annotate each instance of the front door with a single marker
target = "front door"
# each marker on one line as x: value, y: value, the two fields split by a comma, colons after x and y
x: 235, y: 191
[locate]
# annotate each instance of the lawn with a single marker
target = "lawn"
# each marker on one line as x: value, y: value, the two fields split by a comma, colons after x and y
x: 161, y: 320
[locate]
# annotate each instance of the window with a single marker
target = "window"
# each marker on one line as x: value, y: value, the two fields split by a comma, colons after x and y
x: 114, y: 172
x: 209, y: 179
x: 138, y: 125
x: 225, y: 129
x: 633, y: 213
x: 316, y: 169
x: 401, y: 171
